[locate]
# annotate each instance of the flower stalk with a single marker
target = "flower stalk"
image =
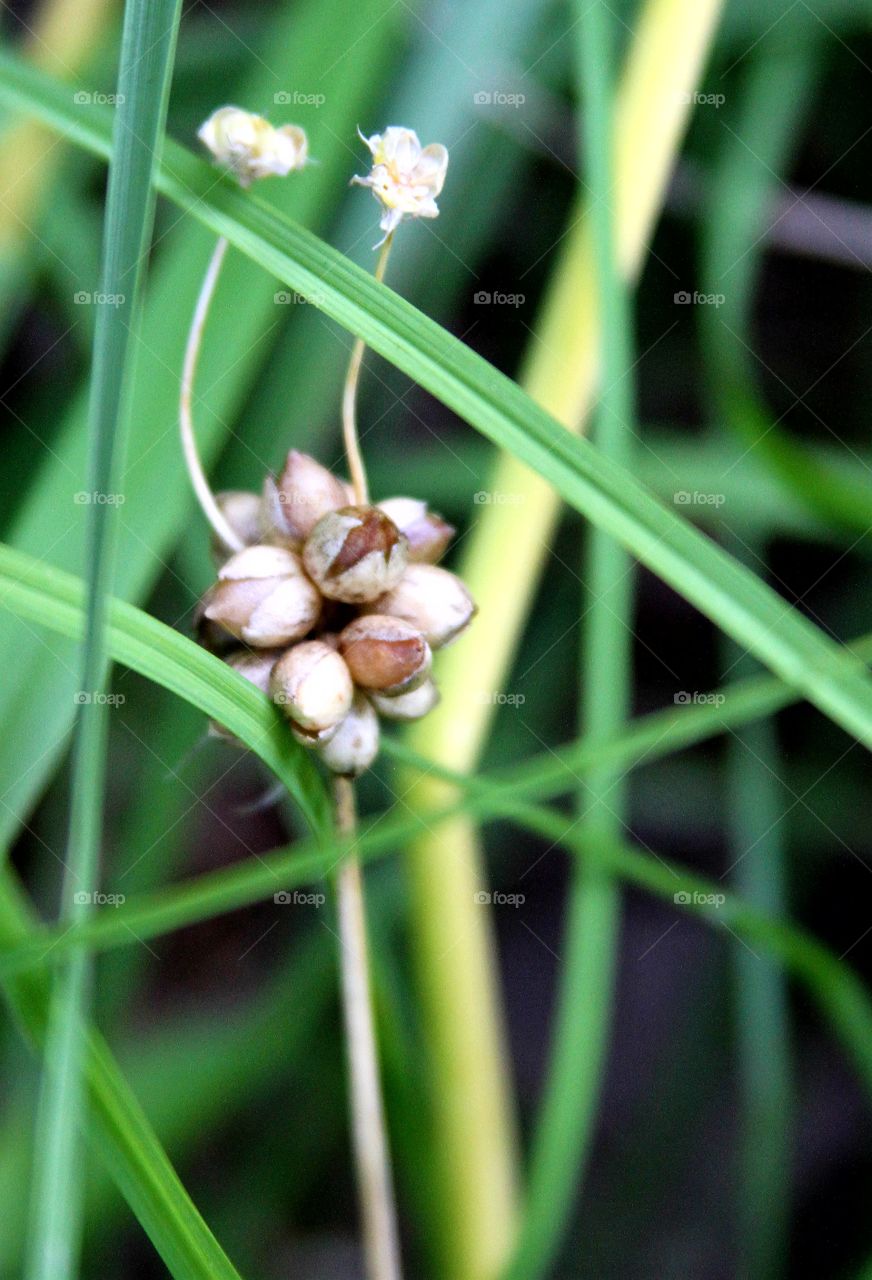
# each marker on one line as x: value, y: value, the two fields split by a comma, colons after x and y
x: 372, y: 1158
x: 200, y: 484
x: 350, y: 435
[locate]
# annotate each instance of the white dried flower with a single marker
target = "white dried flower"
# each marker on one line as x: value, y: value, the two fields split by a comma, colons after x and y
x: 355, y: 553
x: 353, y: 747
x: 250, y: 147
x: 407, y: 706
x: 304, y: 492
x: 312, y: 685
x: 427, y: 533
x: 405, y: 177
x: 264, y: 597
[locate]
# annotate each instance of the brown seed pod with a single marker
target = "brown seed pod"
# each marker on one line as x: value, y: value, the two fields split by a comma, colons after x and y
x: 384, y: 654
x: 354, y: 745
x: 430, y: 599
x: 295, y: 502
x: 407, y: 706
x: 264, y: 597
x: 354, y: 554
x: 313, y: 687
x: 427, y: 533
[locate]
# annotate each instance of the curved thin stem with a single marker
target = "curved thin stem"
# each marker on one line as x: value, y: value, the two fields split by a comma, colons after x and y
x: 375, y: 1183
x: 205, y: 496
x: 349, y: 397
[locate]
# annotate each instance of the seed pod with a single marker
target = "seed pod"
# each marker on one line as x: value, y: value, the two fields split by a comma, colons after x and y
x: 242, y: 511
x: 354, y: 745
x: 384, y: 654
x: 431, y: 599
x: 354, y: 554
x: 428, y: 533
x: 304, y: 492
x: 407, y: 706
x: 256, y: 667
x: 263, y: 597
x: 312, y: 685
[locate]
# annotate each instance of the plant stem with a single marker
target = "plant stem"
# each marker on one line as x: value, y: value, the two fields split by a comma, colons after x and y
x: 349, y: 396
x: 205, y: 496
x: 375, y: 1183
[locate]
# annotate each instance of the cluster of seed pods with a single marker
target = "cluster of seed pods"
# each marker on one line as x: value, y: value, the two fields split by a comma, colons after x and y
x: 333, y: 608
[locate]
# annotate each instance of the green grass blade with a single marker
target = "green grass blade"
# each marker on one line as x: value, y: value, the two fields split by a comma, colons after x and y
x: 117, y: 1127
x: 568, y: 1108
x: 724, y: 591
x: 756, y: 808
x: 757, y: 147
x: 147, y: 49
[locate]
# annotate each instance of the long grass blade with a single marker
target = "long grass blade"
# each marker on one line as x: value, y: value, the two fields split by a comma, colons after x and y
x: 567, y: 1111
x: 147, y: 49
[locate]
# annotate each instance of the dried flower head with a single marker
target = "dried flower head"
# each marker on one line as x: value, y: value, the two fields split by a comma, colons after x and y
x: 312, y: 685
x: 242, y: 511
x: 263, y: 597
x: 427, y: 533
x: 250, y: 147
x: 352, y: 748
x: 384, y: 654
x: 304, y: 492
x: 355, y: 553
x: 405, y: 177
x: 407, y: 706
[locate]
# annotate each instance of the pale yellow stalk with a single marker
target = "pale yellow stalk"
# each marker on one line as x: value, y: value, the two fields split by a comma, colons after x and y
x: 62, y: 36
x: 475, y: 1146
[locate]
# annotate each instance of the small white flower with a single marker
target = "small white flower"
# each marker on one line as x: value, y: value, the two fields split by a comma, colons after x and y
x: 405, y: 177
x: 250, y: 147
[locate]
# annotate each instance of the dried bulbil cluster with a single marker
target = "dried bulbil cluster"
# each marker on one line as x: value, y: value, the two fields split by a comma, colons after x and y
x: 333, y: 608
